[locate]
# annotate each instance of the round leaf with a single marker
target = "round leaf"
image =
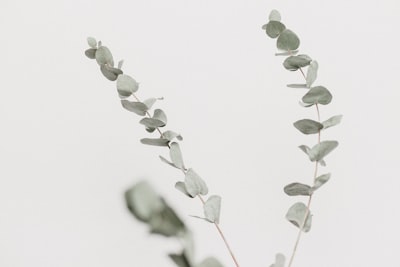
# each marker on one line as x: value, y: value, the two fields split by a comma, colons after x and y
x: 135, y: 107
x: 176, y: 155
x: 126, y: 85
x: 297, y: 189
x: 104, y: 56
x: 91, y: 53
x: 182, y: 187
x: 212, y: 209
x: 307, y: 126
x: 274, y: 28
x: 319, y: 151
x: 92, y: 42
x: 194, y: 184
x: 109, y: 72
x: 288, y: 41
x: 160, y: 115
x: 296, y: 62
x: 296, y: 214
x: 317, y: 95
x: 274, y: 15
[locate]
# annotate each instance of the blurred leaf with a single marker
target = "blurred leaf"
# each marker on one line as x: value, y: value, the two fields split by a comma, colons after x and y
x: 160, y: 115
x: 136, y: 107
x: 212, y: 209
x: 166, y: 223
x: 298, y: 189
x: 274, y: 28
x: 154, y: 141
x: 322, y: 162
x: 307, y: 126
x: 312, y: 73
x: 317, y: 95
x: 91, y: 53
x: 296, y: 214
x: 126, y: 85
x: 305, y: 149
x: 170, y: 135
x: 274, y: 15
x: 176, y: 155
x: 320, y: 181
x: 104, y: 56
x: 182, y: 187
x: 194, y: 184
x: 296, y: 85
x: 288, y: 53
x: 143, y: 201
x: 279, y: 260
x: 288, y: 41
x: 210, y: 262
x: 109, y: 72
x: 152, y: 123
x: 120, y: 63
x: 92, y: 42
x: 180, y: 260
x: 296, y: 62
x: 319, y: 151
x: 335, y: 120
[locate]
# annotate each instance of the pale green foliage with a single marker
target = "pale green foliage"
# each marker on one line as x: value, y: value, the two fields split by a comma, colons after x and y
x: 288, y: 41
x: 136, y: 107
x: 210, y: 262
x: 212, y: 209
x: 126, y: 85
x: 321, y: 180
x: 279, y: 260
x: 307, y: 126
x: 104, y: 56
x: 274, y: 15
x: 335, y: 120
x: 155, y: 141
x: 176, y: 155
x: 296, y: 62
x: 92, y: 42
x: 194, y: 184
x: 317, y: 95
x: 296, y: 214
x: 319, y: 151
x: 274, y: 28
x: 297, y: 189
x: 312, y: 73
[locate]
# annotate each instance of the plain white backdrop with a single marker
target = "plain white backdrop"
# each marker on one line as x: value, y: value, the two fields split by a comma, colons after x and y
x: 68, y: 150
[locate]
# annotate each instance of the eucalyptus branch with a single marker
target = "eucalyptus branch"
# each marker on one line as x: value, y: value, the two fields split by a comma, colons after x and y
x: 299, y: 214
x: 193, y: 185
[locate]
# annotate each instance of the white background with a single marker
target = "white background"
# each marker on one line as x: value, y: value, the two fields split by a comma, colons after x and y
x: 68, y: 150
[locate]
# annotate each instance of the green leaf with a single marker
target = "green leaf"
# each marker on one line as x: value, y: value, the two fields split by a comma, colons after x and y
x: 170, y: 135
x: 307, y: 150
x: 312, y: 73
x: 110, y: 73
x: 120, y: 63
x: 154, y: 141
x: 317, y: 95
x: 135, y: 107
x: 150, y: 129
x: 166, y: 223
x: 296, y: 62
x: 297, y: 85
x: 143, y: 201
x: 288, y: 53
x: 92, y: 42
x: 305, y: 105
x: 335, y: 120
x: 194, y: 184
x: 320, y: 181
x: 279, y: 260
x: 274, y: 15
x: 176, y: 155
x: 126, y: 85
x: 319, y: 151
x: 167, y: 162
x: 212, y: 209
x: 150, y: 102
x: 307, y: 126
x: 91, y: 53
x: 288, y: 41
x: 181, y: 260
x: 104, y: 56
x: 152, y: 123
x: 160, y: 115
x: 182, y: 187
x: 297, y: 189
x: 274, y: 28
x: 296, y: 215
x: 210, y: 262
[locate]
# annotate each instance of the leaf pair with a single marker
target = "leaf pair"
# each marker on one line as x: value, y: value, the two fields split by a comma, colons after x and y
x: 319, y: 151
x: 299, y: 189
x: 193, y: 185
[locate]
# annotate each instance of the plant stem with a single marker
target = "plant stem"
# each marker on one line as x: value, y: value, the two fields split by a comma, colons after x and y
x: 201, y: 199
x: 223, y: 238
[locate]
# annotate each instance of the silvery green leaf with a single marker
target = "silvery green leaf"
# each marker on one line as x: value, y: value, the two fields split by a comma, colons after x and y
x: 279, y: 260
x: 319, y: 151
x: 166, y: 223
x: 274, y: 15
x: 322, y: 162
x: 274, y: 28
x: 181, y: 260
x: 143, y: 201
x: 296, y: 214
x: 288, y: 41
x: 176, y: 155
x: 154, y: 141
x: 305, y: 149
x: 307, y: 126
x: 288, y: 53
x: 150, y: 102
x: 92, y: 42
x: 210, y: 262
x: 312, y: 73
x: 170, y: 135
x: 320, y: 181
x: 194, y: 184
x: 297, y: 189
x: 212, y: 209
x: 305, y: 105
x: 160, y: 115
x: 332, y: 121
x: 120, y: 63
x: 126, y: 85
x: 91, y: 53
x: 296, y: 62
x: 181, y: 187
x: 135, y: 107
x: 104, y: 56
x: 152, y: 123
x: 167, y: 162
x: 109, y: 72
x: 150, y: 129
x: 297, y: 85
x: 317, y: 95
